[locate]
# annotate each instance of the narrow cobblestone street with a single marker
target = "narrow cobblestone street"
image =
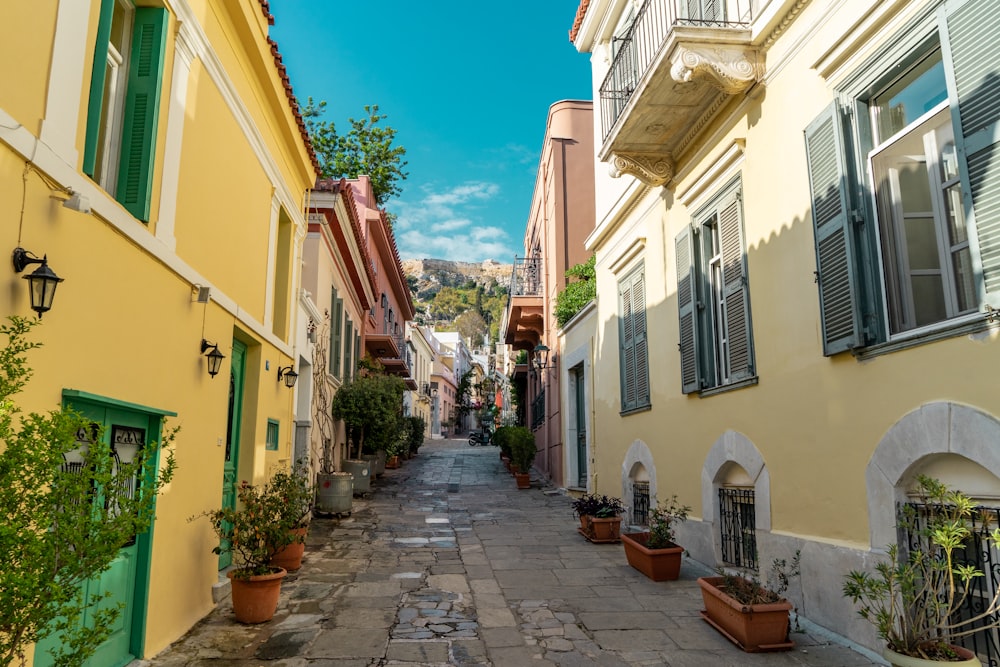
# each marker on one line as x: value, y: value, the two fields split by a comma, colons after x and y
x: 447, y: 563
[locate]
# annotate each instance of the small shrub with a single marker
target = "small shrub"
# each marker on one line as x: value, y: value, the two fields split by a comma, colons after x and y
x: 750, y: 590
x: 522, y: 446
x: 661, y: 522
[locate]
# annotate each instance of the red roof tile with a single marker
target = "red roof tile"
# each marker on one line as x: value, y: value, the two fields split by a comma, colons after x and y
x: 581, y: 11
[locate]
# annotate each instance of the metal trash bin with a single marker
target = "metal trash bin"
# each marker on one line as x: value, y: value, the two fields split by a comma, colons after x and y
x: 362, y: 474
x: 334, y: 492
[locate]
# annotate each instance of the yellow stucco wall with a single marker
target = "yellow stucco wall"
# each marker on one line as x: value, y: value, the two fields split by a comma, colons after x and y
x: 124, y: 325
x: 816, y: 421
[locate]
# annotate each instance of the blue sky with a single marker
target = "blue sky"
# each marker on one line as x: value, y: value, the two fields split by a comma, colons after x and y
x: 466, y: 85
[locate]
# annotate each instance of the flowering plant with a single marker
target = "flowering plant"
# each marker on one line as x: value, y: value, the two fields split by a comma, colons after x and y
x: 253, y: 533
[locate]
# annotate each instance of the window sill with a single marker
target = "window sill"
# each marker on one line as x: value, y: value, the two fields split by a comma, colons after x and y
x: 643, y: 408
x: 958, y: 328
x: 712, y: 391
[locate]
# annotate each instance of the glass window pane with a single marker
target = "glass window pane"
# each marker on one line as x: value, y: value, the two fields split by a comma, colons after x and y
x: 921, y: 244
x: 965, y: 285
x: 908, y: 98
x: 928, y: 299
x: 955, y: 214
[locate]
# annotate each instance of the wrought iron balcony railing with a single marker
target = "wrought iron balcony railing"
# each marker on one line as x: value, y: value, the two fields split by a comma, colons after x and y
x: 636, y: 51
x: 538, y: 410
x: 526, y: 278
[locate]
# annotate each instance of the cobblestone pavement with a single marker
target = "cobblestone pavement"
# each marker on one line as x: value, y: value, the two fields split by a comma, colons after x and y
x: 447, y: 563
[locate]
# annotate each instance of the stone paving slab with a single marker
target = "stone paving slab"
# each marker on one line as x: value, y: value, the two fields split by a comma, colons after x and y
x: 445, y: 562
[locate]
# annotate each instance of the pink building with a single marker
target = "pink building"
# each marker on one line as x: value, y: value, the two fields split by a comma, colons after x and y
x: 560, y: 219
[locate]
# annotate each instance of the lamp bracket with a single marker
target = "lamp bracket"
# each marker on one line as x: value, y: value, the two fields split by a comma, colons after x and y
x: 22, y: 258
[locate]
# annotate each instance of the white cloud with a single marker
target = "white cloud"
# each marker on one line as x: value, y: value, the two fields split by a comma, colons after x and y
x: 446, y: 224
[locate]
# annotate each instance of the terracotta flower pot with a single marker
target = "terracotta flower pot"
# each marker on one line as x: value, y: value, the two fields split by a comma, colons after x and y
x: 584, y: 523
x: 523, y: 480
x: 969, y: 659
x: 758, y: 627
x: 256, y: 599
x: 392, y: 462
x: 657, y: 564
x: 603, y: 529
x: 290, y: 557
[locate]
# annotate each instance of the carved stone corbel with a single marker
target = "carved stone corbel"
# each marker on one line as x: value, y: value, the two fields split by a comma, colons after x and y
x: 731, y: 69
x: 653, y: 169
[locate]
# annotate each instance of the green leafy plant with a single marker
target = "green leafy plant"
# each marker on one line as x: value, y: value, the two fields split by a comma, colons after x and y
x: 599, y: 506
x: 371, y: 405
x: 578, y: 293
x: 296, y: 495
x: 62, y: 524
x: 522, y: 447
x: 913, y: 599
x: 751, y: 590
x: 254, y: 531
x: 416, y: 433
x: 367, y: 148
x: 661, y: 522
x: 502, y: 440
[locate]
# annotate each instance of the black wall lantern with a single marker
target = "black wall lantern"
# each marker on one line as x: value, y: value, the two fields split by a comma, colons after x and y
x: 289, y: 375
x: 540, y: 356
x: 214, y: 357
x: 42, y: 282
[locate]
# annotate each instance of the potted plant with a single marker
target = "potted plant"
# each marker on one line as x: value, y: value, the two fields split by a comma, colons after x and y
x: 918, y: 599
x: 523, y: 450
x: 654, y: 552
x: 295, y: 496
x: 252, y: 534
x: 752, y: 615
x: 600, y: 517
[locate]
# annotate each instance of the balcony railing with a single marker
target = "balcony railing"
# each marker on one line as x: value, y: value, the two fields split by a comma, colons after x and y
x: 526, y: 278
x: 636, y: 51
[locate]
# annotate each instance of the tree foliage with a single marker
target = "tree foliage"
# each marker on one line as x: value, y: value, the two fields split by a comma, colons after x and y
x: 62, y: 524
x: 371, y: 405
x: 472, y: 327
x: 578, y: 293
x: 366, y: 149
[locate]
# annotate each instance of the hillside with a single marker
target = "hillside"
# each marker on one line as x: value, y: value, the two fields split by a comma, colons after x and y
x: 463, y: 296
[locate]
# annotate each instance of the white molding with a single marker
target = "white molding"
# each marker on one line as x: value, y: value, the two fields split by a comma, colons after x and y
x: 720, y: 170
x: 624, y: 259
x: 64, y: 96
x: 616, y: 213
x: 30, y: 148
x: 169, y: 183
x: 733, y: 446
x: 272, y: 260
x: 202, y: 48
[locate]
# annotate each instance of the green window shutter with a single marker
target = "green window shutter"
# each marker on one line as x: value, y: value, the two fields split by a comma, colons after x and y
x: 348, y: 367
x: 336, y: 329
x: 627, y: 353
x: 357, y: 344
x: 973, y: 53
x: 142, y: 106
x: 97, y: 80
x: 736, y: 290
x: 640, y: 345
x: 835, y: 253
x: 687, y: 310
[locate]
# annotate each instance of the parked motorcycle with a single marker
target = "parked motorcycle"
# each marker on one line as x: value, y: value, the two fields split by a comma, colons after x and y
x: 479, y: 438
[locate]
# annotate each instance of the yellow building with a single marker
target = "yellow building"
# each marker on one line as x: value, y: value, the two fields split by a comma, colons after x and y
x: 421, y: 367
x: 805, y: 209
x: 154, y: 154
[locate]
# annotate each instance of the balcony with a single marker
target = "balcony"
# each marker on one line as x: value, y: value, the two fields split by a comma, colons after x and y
x: 389, y: 350
x: 523, y: 319
x: 681, y: 62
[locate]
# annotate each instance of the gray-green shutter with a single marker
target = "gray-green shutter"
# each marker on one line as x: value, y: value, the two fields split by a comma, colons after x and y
x: 972, y: 50
x: 336, y: 329
x: 640, y: 344
x: 687, y: 309
x: 626, y: 333
x: 98, y: 76
x: 835, y: 253
x: 736, y: 291
x: 357, y: 345
x: 348, y: 340
x: 142, y: 111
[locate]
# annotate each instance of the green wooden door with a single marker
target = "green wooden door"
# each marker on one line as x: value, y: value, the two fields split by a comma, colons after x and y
x: 581, y: 426
x: 230, y: 469
x: 127, y: 432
